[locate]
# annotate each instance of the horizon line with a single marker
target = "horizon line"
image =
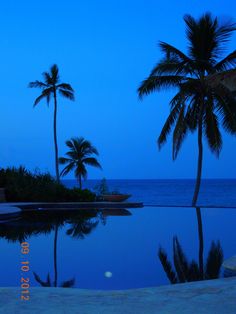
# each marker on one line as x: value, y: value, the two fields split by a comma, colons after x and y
x: 130, y: 179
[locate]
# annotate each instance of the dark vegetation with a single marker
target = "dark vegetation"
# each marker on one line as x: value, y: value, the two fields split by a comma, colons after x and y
x: 23, y: 186
x: 184, y: 270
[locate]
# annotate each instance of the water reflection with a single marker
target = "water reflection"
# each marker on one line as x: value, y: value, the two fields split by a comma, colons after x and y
x: 124, y: 248
x: 184, y: 270
x: 48, y: 283
x: 79, y: 223
x: 35, y: 222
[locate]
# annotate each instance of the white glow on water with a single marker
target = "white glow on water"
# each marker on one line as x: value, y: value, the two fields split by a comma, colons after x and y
x: 108, y: 274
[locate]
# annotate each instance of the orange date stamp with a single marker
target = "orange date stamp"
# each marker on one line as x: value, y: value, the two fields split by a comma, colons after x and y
x: 25, y: 267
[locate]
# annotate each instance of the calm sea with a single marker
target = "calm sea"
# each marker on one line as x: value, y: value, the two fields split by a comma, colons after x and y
x: 171, y: 192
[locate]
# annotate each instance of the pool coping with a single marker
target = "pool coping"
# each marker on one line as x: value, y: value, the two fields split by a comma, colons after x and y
x: 11, y: 207
x: 202, y: 297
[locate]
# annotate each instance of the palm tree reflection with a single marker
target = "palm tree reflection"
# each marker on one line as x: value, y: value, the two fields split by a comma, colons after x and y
x: 81, y: 224
x: 78, y: 224
x: 185, y: 271
x: 48, y: 283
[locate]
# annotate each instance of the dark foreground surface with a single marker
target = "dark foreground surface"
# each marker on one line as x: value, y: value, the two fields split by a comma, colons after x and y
x: 207, y: 297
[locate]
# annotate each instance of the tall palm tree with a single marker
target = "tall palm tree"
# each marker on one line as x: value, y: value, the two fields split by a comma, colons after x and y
x: 198, y: 105
x: 51, y: 87
x: 79, y: 155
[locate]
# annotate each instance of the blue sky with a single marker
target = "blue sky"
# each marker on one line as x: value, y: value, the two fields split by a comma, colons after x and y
x: 104, y: 49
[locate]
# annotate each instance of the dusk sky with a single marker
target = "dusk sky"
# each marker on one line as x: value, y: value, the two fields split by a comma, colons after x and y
x: 104, y: 49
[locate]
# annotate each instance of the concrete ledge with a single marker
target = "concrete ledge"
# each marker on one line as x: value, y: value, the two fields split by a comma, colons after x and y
x: 70, y: 205
x: 203, y: 297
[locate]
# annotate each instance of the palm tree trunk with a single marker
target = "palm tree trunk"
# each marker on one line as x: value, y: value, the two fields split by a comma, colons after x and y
x: 55, y: 137
x: 80, y: 182
x: 199, y: 167
x: 201, y: 244
x: 55, y: 256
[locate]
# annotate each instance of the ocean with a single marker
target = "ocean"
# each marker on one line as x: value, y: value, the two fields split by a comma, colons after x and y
x: 219, y: 193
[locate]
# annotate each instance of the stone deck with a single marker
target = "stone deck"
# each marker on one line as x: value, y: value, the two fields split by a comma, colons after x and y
x: 206, y: 297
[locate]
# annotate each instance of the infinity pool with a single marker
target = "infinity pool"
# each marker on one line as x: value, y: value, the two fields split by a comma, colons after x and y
x: 109, y: 248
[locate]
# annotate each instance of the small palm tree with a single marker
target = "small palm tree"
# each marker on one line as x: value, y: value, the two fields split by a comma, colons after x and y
x: 50, y: 87
x: 79, y: 155
x: 198, y: 104
x: 185, y: 271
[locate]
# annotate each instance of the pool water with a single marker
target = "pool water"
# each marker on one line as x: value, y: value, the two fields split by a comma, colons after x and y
x: 109, y: 249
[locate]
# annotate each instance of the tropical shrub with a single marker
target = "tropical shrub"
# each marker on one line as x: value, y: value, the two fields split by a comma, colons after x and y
x: 23, y: 186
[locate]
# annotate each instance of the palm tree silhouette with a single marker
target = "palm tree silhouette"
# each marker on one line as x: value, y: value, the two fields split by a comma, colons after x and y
x: 50, y: 88
x: 185, y: 271
x: 198, y: 104
x: 79, y: 155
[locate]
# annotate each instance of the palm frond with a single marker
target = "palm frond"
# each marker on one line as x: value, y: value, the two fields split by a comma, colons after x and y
x: 224, y: 32
x: 169, y: 67
x: 80, y: 229
x: 54, y: 71
x: 39, y: 98
x: 70, y: 144
x: 207, y: 39
x: 166, y: 264
x: 227, y: 63
x: 84, y: 146
x: 156, y: 83
x: 180, y: 261
x: 47, y: 78
x: 46, y: 94
x: 180, y: 132
x: 172, y: 52
x: 168, y: 125
x: 91, y: 161
x: 63, y: 160
x: 212, y: 132
x: 226, y: 107
x: 214, y: 261
x: 37, y: 84
x: 194, y: 272
x: 46, y: 283
x: 74, y: 155
x: 66, y: 93
x: 67, y: 169
x: 177, y: 59
x: 65, y: 86
x: 68, y: 283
